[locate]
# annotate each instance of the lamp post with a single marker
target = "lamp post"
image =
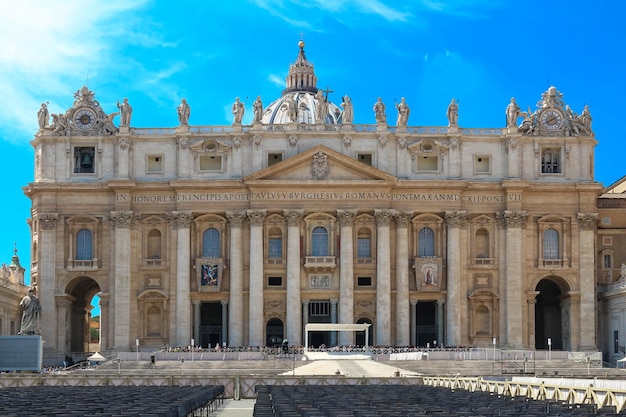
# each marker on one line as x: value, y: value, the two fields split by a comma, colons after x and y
x: 549, y: 348
x: 494, y: 349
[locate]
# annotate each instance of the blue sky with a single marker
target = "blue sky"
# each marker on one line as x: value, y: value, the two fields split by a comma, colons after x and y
x: 481, y: 52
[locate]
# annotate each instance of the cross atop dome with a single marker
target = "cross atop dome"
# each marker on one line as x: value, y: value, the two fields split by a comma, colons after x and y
x: 301, y: 75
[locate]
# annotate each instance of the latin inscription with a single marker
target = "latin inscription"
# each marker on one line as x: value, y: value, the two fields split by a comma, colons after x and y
x: 322, y: 195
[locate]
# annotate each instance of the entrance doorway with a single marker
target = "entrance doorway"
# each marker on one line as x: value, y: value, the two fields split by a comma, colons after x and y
x: 81, y: 291
x: 360, y: 336
x: 274, y: 331
x: 211, y: 324
x: 548, y: 317
x: 426, y: 324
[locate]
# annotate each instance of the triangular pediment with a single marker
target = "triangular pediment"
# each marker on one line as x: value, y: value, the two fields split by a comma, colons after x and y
x: 320, y: 164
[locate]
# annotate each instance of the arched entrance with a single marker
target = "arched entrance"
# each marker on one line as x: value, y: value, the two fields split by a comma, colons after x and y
x: 360, y: 336
x: 549, y: 315
x: 274, y: 332
x: 81, y: 291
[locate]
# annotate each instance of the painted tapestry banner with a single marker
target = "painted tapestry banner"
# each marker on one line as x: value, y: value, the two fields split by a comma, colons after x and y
x: 428, y: 274
x: 209, y: 275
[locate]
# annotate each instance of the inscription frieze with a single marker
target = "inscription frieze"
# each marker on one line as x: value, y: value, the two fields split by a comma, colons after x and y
x: 167, y: 198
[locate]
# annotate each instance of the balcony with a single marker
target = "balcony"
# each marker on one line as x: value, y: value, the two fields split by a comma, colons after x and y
x: 82, y: 265
x: 274, y: 261
x: 481, y: 261
x: 154, y: 262
x: 551, y: 263
x: 320, y: 263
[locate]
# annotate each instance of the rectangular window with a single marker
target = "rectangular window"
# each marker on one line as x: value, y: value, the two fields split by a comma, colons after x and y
x: 364, y: 281
x: 427, y: 163
x: 274, y: 281
x: 274, y: 158
x: 210, y: 162
x: 481, y: 165
x: 606, y: 220
x: 275, y: 248
x: 84, y: 160
x: 320, y: 308
x: 366, y: 158
x: 608, y: 261
x: 364, y: 248
x: 154, y: 164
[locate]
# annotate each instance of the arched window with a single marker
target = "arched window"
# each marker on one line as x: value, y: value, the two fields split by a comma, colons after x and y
x: 211, y: 245
x: 551, y: 244
x: 364, y: 245
x: 84, y: 245
x: 319, y: 242
x: 426, y: 239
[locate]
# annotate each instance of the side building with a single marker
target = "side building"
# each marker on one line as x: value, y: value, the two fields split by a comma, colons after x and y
x: 611, y: 271
x: 240, y: 235
x: 12, y: 290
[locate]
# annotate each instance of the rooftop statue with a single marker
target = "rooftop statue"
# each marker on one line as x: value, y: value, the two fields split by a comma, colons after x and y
x: 238, y: 110
x: 453, y: 113
x: 512, y: 113
x: 126, y: 112
x: 43, y: 116
x: 322, y: 106
x: 403, y: 112
x: 348, y: 110
x: 183, y: 113
x: 379, y: 111
x: 257, y: 108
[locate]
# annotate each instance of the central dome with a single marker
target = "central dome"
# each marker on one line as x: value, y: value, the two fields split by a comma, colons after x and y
x: 301, y: 100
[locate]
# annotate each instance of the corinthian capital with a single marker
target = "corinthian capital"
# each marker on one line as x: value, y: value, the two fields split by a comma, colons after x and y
x: 123, y: 219
x: 587, y: 221
x: 294, y: 217
x: 256, y: 217
x: 48, y: 221
x: 383, y: 217
x: 403, y: 218
x: 456, y: 218
x: 512, y: 218
x: 236, y: 218
x: 346, y: 217
x: 181, y: 219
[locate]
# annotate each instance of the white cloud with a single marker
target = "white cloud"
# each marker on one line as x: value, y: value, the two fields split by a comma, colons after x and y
x: 47, y: 46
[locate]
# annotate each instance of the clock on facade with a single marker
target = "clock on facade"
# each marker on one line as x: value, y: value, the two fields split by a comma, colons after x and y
x: 551, y: 119
x: 85, y: 118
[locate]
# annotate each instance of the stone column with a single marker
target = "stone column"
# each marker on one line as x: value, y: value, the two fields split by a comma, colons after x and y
x: 413, y: 322
x: 46, y: 281
x: 333, y: 320
x: 224, y: 321
x: 383, y: 277
x: 182, y: 223
x: 455, y: 220
x: 235, y: 318
x: 105, y: 322
x: 346, y: 274
x: 531, y: 301
x: 305, y: 317
x: 196, y: 321
x: 63, y: 306
x: 440, y: 330
x: 255, y: 318
x: 587, y: 224
x: 294, y: 316
x: 514, y: 221
x: 122, y: 221
x: 403, y: 319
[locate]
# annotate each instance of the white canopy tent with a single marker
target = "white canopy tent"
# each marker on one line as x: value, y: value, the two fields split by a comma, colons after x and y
x: 327, y: 327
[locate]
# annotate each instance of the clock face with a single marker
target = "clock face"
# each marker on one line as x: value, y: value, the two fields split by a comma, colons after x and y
x: 85, y: 118
x: 551, y: 119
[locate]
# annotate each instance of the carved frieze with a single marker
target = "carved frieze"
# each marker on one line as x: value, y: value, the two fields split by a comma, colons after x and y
x: 294, y: 217
x: 123, y: 219
x: 512, y: 218
x: 587, y: 221
x: 181, y: 220
x: 256, y: 217
x: 235, y: 218
x: 456, y: 218
x: 383, y: 217
x: 346, y: 217
x: 403, y: 218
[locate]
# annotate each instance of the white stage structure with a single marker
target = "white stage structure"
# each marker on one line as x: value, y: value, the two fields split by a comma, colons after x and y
x: 326, y: 327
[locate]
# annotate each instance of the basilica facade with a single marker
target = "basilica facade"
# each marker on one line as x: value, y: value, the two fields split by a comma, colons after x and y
x: 240, y: 235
